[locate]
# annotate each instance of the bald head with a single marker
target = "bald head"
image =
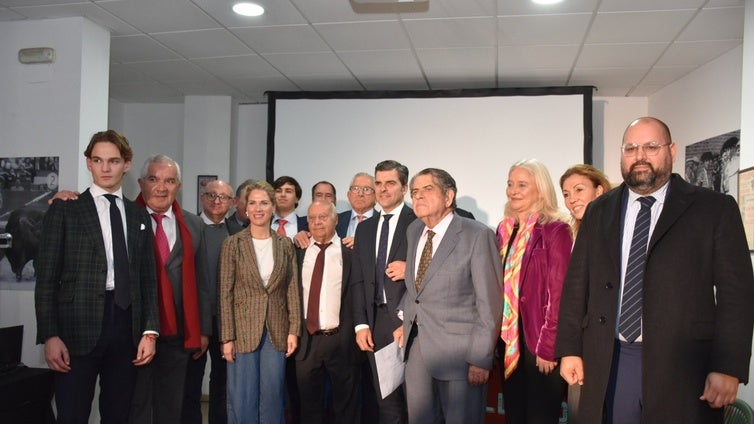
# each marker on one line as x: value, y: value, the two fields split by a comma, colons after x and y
x: 217, y: 200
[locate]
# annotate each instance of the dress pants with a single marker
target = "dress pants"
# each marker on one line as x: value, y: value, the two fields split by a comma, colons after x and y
x: 158, y: 398
x: 623, y: 401
x: 393, y: 408
x: 529, y: 396
x: 111, y: 361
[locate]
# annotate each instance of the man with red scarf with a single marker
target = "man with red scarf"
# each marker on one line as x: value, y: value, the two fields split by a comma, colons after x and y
x: 183, y: 298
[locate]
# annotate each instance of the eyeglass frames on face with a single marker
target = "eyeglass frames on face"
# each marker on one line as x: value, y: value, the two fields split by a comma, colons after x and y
x: 214, y: 196
x: 357, y: 190
x: 650, y: 149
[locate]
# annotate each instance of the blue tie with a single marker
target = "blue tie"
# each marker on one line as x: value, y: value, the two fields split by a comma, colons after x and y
x: 120, y: 256
x: 379, y: 266
x: 631, y: 304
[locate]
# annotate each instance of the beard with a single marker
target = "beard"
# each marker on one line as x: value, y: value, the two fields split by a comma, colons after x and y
x: 645, y: 181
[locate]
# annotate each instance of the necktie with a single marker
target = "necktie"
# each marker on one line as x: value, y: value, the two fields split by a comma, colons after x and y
x: 120, y: 255
x: 360, y: 217
x: 631, y: 303
x: 163, y: 248
x: 379, y: 266
x: 281, y: 227
x: 312, y: 308
x: 426, y: 257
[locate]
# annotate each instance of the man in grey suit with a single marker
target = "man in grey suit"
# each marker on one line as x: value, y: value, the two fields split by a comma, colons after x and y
x: 452, y: 306
x: 184, y: 300
x: 94, y: 317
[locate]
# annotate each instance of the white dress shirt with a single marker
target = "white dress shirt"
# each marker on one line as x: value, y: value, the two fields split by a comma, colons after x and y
x: 169, y: 225
x: 332, y: 283
x: 103, y: 213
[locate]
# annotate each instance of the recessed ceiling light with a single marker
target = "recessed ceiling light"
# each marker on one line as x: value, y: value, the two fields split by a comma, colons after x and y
x: 248, y: 9
x: 546, y: 1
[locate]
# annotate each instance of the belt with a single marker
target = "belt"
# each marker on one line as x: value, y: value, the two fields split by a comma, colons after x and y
x: 330, y: 332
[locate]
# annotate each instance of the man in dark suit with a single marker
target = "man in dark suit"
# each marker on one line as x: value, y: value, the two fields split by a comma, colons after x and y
x: 96, y: 296
x: 238, y: 220
x: 452, y: 306
x: 184, y: 300
x: 328, y: 347
x: 216, y: 202
x: 287, y: 195
x: 361, y: 197
x: 655, y: 316
x: 377, y: 276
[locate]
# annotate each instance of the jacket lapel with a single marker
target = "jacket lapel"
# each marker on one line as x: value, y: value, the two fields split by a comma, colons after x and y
x: 88, y: 214
x: 678, y: 199
x: 536, y: 237
x: 448, y: 243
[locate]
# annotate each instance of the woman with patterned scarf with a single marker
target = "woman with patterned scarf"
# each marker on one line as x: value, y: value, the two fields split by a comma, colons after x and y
x: 535, y: 247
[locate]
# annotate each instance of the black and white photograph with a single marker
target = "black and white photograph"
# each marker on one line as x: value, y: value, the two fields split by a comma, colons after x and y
x: 26, y: 184
x: 713, y: 163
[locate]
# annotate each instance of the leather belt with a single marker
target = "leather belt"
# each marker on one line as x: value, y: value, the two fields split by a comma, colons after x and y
x: 330, y: 332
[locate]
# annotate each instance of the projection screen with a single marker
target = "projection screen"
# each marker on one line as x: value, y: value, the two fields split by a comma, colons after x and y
x: 475, y: 135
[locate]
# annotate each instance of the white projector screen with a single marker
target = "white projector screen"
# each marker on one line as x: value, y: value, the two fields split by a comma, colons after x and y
x: 474, y: 135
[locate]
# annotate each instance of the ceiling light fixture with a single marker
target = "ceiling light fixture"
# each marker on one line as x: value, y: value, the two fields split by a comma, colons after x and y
x: 248, y: 9
x: 546, y: 1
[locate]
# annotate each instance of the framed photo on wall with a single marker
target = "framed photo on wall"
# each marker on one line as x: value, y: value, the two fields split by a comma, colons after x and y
x: 201, y: 183
x: 746, y: 203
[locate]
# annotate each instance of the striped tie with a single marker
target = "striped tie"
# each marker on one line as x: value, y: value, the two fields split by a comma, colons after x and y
x: 631, y: 304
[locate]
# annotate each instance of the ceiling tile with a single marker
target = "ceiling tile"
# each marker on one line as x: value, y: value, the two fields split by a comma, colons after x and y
x: 321, y: 11
x: 120, y: 74
x: 90, y: 11
x: 619, y: 55
x: 638, y: 27
x: 326, y: 83
x: 463, y: 64
x: 9, y: 15
x: 276, y: 12
x: 256, y: 87
x: 695, y: 53
x: 662, y: 76
x: 533, y: 77
x: 394, y: 83
x: 451, y: 33
x: 638, y: 5
x: 251, y: 66
x: 716, y: 24
x: 203, y: 43
x: 454, y: 83
x: 644, y: 90
x: 12, y: 3
x: 608, y: 81
x: 373, y: 35
x: 526, y: 7
x: 392, y: 64
x: 152, y: 15
x: 138, y: 48
x: 455, y: 9
x: 282, y: 39
x: 523, y: 57
x: 144, y: 92
x: 543, y: 29
x: 309, y: 64
x: 171, y: 70
x: 206, y: 87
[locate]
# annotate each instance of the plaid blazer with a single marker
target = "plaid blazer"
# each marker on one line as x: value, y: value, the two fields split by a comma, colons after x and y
x: 71, y: 271
x: 245, y: 306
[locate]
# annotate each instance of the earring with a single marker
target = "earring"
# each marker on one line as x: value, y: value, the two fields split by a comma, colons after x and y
x: 247, y: 214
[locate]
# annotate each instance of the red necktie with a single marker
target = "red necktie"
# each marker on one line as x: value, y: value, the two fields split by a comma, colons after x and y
x: 163, y: 248
x: 360, y: 217
x: 312, y: 308
x: 281, y: 227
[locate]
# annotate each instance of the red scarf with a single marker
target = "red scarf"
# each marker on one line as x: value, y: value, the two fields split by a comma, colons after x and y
x: 168, y: 320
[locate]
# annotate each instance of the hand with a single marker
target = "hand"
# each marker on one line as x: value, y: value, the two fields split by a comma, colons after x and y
x: 572, y: 370
x: 719, y: 389
x: 301, y: 239
x: 56, y: 355
x: 364, y: 340
x: 145, y: 351
x: 202, y: 348
x: 229, y: 352
x: 478, y: 376
x: 545, y: 366
x: 292, y: 345
x: 347, y: 242
x: 396, y: 270
x: 398, y: 336
x: 64, y: 195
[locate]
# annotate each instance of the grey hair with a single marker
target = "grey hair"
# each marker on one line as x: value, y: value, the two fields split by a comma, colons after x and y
x: 160, y: 159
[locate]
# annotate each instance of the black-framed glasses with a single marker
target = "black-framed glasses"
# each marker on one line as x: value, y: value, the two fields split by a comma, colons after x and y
x: 650, y: 149
x: 214, y: 196
x: 357, y: 190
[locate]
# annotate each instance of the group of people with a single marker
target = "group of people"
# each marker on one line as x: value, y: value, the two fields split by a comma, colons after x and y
x: 639, y: 300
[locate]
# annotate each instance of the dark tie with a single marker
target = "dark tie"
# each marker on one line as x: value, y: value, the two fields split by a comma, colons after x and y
x: 631, y: 303
x: 312, y: 308
x: 281, y: 227
x: 426, y: 257
x: 379, y: 266
x: 163, y: 247
x: 120, y: 255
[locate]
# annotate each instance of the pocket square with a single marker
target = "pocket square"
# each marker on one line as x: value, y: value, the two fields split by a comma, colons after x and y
x: 142, y: 227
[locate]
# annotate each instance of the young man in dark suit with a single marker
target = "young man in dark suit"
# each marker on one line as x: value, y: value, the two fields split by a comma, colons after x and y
x: 96, y: 295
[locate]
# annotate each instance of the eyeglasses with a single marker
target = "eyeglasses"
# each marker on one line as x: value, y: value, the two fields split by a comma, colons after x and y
x: 357, y: 190
x: 650, y: 149
x: 214, y: 196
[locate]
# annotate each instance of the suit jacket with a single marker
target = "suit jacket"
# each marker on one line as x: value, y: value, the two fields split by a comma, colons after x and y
x: 233, y: 225
x: 543, y: 269
x: 459, y: 306
x: 348, y: 350
x: 365, y: 257
x: 697, y: 313
x: 344, y: 218
x: 72, y: 269
x: 174, y: 268
x: 246, y: 306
